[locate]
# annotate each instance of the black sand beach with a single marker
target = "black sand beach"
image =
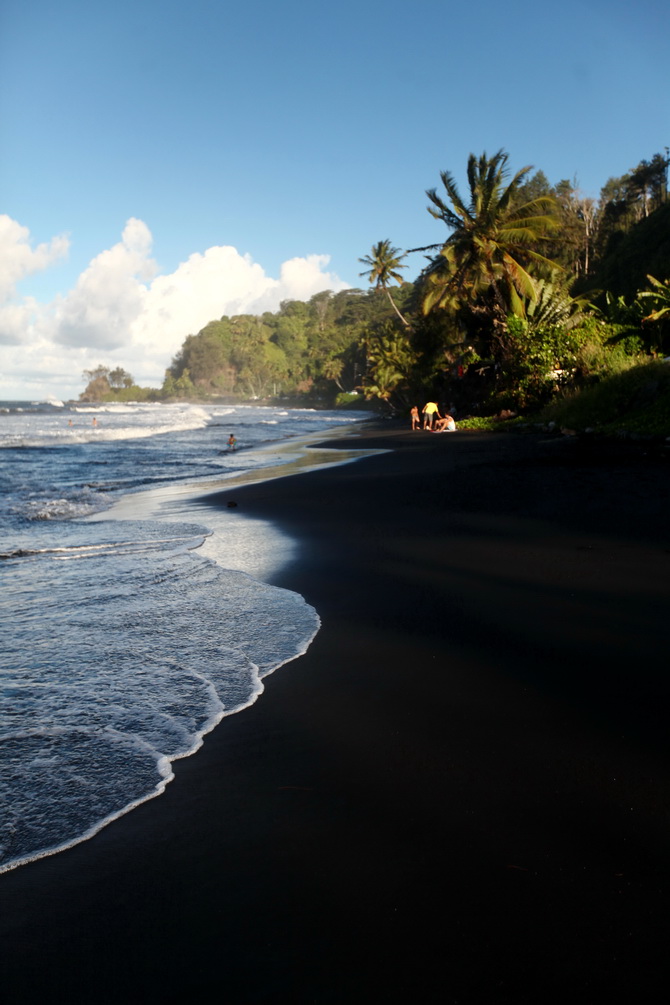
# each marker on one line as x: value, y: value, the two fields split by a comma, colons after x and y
x: 460, y: 793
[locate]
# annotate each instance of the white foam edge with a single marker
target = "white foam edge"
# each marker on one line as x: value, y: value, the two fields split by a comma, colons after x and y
x: 110, y: 547
x: 300, y: 447
x: 164, y: 762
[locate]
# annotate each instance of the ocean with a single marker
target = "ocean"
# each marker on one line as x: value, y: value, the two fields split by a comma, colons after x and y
x: 130, y: 631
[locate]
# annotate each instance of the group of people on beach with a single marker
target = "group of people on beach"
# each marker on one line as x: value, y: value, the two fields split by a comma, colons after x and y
x: 432, y: 420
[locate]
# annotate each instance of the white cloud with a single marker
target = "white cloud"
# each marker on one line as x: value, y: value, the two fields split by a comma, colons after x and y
x: 300, y: 277
x: 18, y: 259
x: 206, y: 286
x: 109, y: 295
x: 122, y: 313
x: 16, y: 319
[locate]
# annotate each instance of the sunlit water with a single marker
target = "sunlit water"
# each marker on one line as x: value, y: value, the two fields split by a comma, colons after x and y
x: 124, y: 641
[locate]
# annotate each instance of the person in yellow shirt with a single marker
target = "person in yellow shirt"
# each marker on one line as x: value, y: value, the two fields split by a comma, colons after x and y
x: 430, y: 412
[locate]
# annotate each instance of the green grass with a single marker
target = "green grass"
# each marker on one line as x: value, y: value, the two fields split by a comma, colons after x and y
x: 636, y: 402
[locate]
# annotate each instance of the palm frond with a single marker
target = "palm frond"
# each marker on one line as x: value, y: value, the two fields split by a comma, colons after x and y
x: 494, y: 239
x: 522, y: 280
x: 665, y: 286
x: 516, y: 303
x: 507, y: 196
x: 528, y: 230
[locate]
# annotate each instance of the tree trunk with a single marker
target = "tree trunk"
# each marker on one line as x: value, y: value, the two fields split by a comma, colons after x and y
x: 392, y: 302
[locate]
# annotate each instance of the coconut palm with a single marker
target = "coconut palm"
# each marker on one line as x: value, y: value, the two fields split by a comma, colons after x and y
x: 494, y: 239
x: 384, y: 262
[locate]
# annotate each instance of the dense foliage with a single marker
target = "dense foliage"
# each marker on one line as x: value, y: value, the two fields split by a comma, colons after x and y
x: 105, y: 384
x: 314, y: 349
x: 535, y: 291
x: 633, y: 403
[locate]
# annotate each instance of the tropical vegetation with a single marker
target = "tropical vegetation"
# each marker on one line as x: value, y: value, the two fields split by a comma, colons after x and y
x: 384, y: 262
x: 535, y: 293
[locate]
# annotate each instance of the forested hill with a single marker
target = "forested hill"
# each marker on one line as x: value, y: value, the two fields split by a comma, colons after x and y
x: 303, y: 348
x: 633, y: 255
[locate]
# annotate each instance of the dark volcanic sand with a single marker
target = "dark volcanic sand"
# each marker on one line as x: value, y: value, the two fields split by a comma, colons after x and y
x: 461, y: 792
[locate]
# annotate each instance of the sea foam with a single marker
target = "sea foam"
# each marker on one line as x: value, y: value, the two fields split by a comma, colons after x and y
x: 127, y: 648
x: 125, y: 640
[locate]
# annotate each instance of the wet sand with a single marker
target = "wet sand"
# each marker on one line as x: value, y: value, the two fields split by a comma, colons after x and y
x: 459, y: 794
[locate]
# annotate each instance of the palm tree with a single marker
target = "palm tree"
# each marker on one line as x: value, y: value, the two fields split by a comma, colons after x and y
x: 493, y: 242
x: 384, y: 262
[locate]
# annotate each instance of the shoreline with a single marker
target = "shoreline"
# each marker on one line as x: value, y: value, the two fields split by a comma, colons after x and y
x: 458, y: 793
x: 181, y: 501
x: 301, y: 453
x: 308, y: 452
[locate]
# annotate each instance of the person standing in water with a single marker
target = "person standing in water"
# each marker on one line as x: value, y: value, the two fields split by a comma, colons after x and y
x: 232, y: 442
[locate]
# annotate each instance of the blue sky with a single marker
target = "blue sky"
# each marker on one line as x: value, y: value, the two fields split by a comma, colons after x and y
x: 162, y: 161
